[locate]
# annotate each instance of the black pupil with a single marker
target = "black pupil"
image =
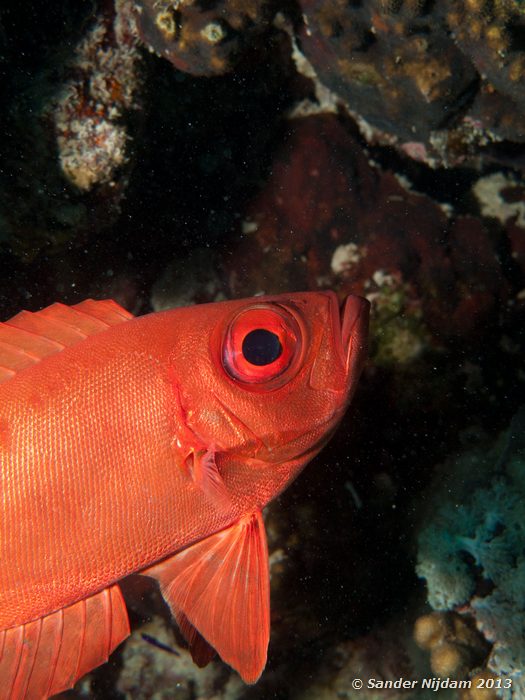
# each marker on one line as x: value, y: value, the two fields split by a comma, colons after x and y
x: 261, y: 347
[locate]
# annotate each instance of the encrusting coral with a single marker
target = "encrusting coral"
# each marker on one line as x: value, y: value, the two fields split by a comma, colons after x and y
x: 443, y: 79
x: 202, y: 38
x: 471, y: 550
x: 455, y: 646
x: 91, y: 137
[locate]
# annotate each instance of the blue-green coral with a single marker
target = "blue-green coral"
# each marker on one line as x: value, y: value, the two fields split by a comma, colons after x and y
x: 471, y: 552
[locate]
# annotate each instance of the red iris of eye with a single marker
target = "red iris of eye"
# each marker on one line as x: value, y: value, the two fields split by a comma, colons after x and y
x: 261, y: 343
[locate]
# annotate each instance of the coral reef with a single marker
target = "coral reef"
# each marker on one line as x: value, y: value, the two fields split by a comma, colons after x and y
x: 483, y: 687
x: 88, y: 114
x: 501, y: 196
x: 489, y: 33
x: 66, y: 162
x: 328, y: 218
x: 443, y: 80
x: 471, y: 550
x: 455, y: 646
x: 199, y: 37
x: 153, y: 665
x: 393, y: 67
x: 380, y: 655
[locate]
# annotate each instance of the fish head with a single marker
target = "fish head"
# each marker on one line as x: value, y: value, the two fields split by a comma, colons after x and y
x: 273, y: 380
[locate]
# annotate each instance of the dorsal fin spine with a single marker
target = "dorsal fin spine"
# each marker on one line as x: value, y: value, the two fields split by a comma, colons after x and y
x: 83, y: 313
x: 59, y: 346
x: 29, y: 337
x: 8, y: 369
x: 14, y: 348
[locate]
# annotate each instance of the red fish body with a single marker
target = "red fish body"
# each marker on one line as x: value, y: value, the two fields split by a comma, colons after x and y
x: 151, y: 445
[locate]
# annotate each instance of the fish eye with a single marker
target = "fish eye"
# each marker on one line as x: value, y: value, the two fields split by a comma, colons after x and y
x: 262, y: 346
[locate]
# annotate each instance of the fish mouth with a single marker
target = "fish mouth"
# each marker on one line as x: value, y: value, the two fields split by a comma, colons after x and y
x: 351, y: 321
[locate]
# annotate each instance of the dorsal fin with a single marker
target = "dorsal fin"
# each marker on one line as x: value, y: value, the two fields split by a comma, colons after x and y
x: 29, y: 336
x: 47, y: 656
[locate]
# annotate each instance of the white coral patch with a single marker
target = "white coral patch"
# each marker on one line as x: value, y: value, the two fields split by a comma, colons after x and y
x: 345, y: 257
x: 91, y: 151
x: 488, y: 192
x: 87, y: 114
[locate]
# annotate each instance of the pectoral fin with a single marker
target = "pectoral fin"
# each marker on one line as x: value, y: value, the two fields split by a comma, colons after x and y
x: 221, y: 585
x: 205, y: 474
x: 46, y: 656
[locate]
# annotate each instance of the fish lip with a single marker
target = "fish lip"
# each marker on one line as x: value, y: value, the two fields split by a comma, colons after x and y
x: 351, y: 320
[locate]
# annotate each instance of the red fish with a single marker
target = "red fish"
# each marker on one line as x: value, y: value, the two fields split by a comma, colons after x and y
x: 151, y: 445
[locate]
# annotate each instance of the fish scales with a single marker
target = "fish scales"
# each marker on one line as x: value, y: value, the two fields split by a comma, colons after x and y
x: 115, y: 500
x: 150, y: 445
